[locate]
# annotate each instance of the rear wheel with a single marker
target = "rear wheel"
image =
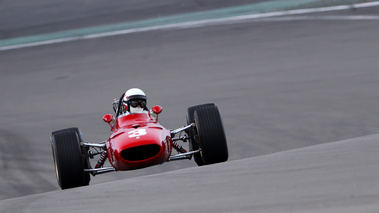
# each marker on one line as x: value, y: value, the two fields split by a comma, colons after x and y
x: 192, y: 142
x: 69, y: 158
x: 210, y: 135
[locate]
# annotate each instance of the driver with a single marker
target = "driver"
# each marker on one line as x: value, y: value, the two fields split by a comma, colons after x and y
x: 134, y: 101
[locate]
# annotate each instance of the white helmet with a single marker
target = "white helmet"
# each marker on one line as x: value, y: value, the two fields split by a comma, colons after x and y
x: 135, y: 100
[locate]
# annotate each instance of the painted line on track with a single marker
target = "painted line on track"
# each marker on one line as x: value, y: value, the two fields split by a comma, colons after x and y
x: 66, y: 36
x: 317, y: 18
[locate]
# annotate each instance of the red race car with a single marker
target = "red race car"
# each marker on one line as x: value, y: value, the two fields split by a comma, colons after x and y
x: 137, y: 141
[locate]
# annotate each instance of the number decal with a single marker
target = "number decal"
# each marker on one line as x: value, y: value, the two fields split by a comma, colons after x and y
x: 137, y: 133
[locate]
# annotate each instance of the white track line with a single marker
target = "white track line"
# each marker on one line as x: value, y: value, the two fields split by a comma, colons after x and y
x: 201, y: 23
x: 320, y: 18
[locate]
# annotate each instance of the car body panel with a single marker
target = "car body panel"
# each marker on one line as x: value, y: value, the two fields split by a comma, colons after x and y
x: 138, y: 141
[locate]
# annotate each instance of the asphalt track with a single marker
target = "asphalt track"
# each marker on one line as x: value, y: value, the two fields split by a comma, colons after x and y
x: 281, y: 84
x: 336, y: 177
x: 18, y: 18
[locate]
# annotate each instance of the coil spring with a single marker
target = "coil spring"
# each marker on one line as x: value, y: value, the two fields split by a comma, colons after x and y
x: 178, y: 147
x: 101, y: 160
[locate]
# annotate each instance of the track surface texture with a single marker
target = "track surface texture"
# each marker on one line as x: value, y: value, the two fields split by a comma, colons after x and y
x: 336, y: 177
x: 20, y: 18
x: 280, y: 84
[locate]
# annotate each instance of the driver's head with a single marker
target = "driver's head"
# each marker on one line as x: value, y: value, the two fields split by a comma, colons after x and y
x: 135, y: 100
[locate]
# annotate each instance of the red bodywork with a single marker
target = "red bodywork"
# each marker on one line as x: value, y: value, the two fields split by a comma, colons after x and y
x: 137, y: 141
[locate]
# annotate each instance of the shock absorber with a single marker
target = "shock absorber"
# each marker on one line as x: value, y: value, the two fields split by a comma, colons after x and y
x: 178, y: 147
x: 101, y: 160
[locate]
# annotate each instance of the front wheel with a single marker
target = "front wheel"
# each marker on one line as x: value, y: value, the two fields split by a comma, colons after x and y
x: 193, y: 144
x: 210, y: 135
x: 68, y: 158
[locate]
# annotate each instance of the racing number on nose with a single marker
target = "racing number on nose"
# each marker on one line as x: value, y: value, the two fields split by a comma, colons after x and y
x: 137, y: 133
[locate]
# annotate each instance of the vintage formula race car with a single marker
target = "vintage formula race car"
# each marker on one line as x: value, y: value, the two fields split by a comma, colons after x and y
x: 138, y: 141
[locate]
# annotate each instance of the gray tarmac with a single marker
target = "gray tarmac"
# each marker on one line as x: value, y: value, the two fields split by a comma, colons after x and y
x: 21, y: 18
x: 280, y: 85
x: 335, y: 177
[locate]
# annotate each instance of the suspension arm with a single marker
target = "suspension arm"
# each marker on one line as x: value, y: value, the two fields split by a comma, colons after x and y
x: 100, y: 170
x: 98, y: 145
x: 187, y: 155
x: 175, y: 131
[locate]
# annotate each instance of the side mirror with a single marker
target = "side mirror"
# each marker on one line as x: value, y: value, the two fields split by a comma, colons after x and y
x: 157, y: 109
x: 108, y: 118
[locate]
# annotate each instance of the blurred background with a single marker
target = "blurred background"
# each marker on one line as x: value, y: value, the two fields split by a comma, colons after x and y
x: 279, y: 83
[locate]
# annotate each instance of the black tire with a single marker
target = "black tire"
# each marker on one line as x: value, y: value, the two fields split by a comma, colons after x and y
x: 192, y: 142
x: 68, y: 158
x: 85, y: 158
x: 210, y: 135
